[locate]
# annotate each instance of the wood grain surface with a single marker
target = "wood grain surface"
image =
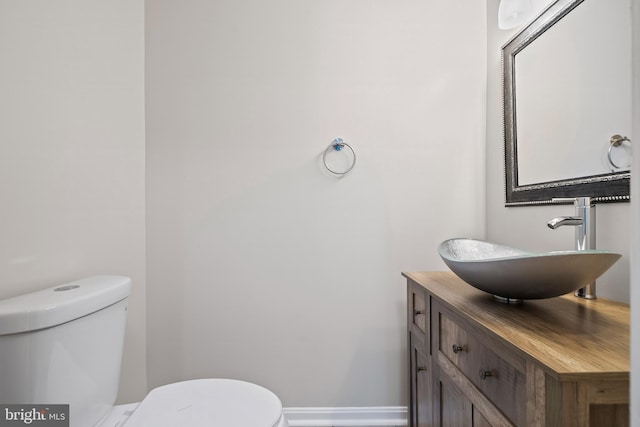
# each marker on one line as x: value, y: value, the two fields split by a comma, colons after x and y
x: 569, y: 337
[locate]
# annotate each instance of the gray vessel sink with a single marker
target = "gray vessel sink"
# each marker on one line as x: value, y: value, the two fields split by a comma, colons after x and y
x: 510, y: 273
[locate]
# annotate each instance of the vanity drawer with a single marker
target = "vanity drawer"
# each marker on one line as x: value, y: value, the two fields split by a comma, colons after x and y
x: 497, y: 379
x: 418, y: 311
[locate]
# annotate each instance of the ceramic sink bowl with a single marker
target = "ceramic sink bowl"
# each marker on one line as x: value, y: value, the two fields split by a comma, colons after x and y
x: 516, y: 274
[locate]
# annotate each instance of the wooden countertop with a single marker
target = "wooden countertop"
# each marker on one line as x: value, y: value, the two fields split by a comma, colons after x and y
x: 572, y: 338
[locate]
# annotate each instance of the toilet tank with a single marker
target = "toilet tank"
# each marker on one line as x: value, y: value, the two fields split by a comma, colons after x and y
x: 63, y: 345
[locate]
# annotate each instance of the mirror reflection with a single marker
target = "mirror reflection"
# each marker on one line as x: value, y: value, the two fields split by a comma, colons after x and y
x: 567, y: 80
x: 574, y: 93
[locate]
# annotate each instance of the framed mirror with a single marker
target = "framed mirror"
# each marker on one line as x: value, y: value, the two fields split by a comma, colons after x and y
x: 567, y: 96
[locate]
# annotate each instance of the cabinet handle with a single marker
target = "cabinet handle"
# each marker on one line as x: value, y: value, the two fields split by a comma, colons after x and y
x: 484, y: 374
x: 421, y: 368
x: 457, y: 348
x: 417, y: 313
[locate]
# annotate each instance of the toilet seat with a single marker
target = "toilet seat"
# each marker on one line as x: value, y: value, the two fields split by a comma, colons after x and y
x: 209, y: 403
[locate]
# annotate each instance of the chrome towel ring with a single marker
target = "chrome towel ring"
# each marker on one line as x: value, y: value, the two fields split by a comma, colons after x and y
x: 338, y: 145
x: 615, y: 141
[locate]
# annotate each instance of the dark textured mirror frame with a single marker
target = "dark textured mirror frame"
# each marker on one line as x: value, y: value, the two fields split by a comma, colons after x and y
x: 609, y: 187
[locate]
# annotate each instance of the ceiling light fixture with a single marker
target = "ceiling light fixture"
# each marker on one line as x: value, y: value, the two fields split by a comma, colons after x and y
x: 513, y: 13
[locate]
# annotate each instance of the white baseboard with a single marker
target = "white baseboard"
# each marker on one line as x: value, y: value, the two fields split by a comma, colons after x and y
x: 374, y: 416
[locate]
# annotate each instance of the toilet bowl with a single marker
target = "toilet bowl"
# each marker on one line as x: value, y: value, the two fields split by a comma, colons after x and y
x: 206, y: 403
x: 63, y: 345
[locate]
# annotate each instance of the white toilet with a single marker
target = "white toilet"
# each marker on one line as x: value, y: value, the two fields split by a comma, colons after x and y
x: 63, y: 345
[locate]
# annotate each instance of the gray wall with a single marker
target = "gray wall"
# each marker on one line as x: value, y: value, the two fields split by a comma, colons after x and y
x: 262, y: 266
x: 525, y: 227
x: 72, y: 152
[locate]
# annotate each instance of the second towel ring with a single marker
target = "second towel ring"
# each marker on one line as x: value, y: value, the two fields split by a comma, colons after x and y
x: 337, y: 145
x: 615, y: 141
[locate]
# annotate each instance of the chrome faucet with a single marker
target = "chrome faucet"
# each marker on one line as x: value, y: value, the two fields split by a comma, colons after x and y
x: 585, y: 222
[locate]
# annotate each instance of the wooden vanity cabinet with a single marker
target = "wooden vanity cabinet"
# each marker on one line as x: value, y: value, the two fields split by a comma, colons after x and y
x: 477, y: 362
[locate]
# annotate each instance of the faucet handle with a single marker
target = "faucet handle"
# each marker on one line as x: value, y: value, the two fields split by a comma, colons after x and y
x: 577, y: 201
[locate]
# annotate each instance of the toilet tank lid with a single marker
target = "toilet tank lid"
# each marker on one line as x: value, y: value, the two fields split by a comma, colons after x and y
x: 62, y: 303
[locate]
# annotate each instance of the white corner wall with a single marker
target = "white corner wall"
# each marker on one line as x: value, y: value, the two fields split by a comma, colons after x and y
x: 261, y: 265
x: 72, y: 152
x: 525, y: 227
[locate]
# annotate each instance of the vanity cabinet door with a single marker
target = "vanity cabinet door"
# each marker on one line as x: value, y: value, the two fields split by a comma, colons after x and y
x: 418, y: 311
x: 419, y: 342
x: 479, y: 420
x: 452, y: 408
x: 421, y: 396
